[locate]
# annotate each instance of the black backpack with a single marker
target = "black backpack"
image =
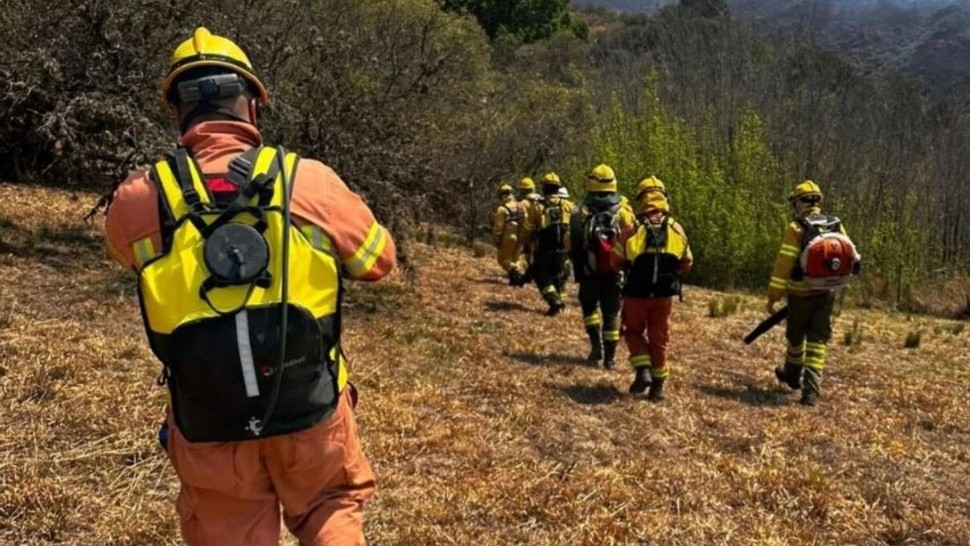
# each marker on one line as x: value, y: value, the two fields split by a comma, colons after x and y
x: 552, y: 231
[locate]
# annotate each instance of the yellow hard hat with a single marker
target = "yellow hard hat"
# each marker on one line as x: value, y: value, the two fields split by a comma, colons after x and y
x: 601, y: 179
x: 651, y: 184
x: 527, y: 184
x: 653, y: 201
x: 806, y: 189
x: 504, y: 188
x: 551, y: 178
x: 207, y: 49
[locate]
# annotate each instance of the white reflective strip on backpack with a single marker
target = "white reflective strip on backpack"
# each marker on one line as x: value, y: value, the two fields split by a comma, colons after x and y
x: 246, y: 354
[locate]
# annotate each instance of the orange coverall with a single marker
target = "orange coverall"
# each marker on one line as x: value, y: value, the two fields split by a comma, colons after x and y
x: 231, y: 492
x: 646, y: 321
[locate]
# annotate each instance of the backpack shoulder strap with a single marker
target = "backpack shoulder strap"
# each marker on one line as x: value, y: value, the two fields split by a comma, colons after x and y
x: 189, y: 176
x: 241, y: 167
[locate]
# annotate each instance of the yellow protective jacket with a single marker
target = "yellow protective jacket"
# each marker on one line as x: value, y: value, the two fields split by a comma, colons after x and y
x: 220, y: 376
x: 529, y: 203
x: 508, y: 219
x: 655, y: 253
x: 781, y: 282
x: 540, y: 223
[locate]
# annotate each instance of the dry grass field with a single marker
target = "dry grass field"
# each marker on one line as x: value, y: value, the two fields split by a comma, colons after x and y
x: 483, y: 423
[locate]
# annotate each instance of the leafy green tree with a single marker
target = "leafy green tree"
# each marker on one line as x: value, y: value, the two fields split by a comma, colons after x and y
x: 525, y: 20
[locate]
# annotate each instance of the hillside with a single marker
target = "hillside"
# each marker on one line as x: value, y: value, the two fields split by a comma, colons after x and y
x: 927, y: 40
x: 481, y: 419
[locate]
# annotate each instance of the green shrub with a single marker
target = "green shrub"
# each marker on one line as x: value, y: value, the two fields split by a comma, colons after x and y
x: 853, y: 336
x: 723, y: 306
x: 912, y: 339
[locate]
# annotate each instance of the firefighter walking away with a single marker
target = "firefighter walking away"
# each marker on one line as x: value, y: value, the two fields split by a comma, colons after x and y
x: 654, y: 254
x: 816, y: 258
x: 595, y: 228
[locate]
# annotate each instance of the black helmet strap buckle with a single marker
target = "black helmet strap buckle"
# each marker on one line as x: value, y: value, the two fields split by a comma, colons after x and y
x: 211, y: 87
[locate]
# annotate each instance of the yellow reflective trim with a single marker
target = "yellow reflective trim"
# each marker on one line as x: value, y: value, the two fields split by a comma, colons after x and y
x: 816, y: 348
x: 640, y: 361
x: 144, y: 250
x: 788, y: 253
x: 789, y: 248
x: 660, y: 373
x: 342, y: 372
x: 778, y: 282
x: 170, y: 189
x: 611, y: 335
x: 198, y: 182
x: 263, y: 161
x: 318, y: 239
x: 592, y: 320
x: 551, y: 289
x: 367, y: 254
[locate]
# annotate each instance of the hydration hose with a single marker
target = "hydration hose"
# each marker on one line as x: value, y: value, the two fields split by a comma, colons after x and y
x: 257, y: 426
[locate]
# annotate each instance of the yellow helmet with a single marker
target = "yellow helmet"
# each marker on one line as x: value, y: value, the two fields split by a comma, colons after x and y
x: 207, y: 49
x: 653, y: 201
x: 601, y: 179
x: 504, y: 188
x: 551, y: 178
x: 527, y: 184
x: 650, y: 184
x: 807, y: 191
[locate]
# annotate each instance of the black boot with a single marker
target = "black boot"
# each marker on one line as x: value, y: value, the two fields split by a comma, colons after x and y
x: 641, y: 381
x: 555, y: 309
x: 790, y: 374
x: 812, y: 386
x: 609, y: 354
x: 596, y: 346
x: 656, y: 390
x: 555, y: 302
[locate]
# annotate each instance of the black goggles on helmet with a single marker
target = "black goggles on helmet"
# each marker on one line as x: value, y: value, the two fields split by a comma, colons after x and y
x: 212, y: 87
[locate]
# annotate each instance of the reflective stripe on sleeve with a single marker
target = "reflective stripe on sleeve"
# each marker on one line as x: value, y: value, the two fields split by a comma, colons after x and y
x: 144, y: 250
x: 778, y: 282
x: 789, y: 250
x: 366, y: 256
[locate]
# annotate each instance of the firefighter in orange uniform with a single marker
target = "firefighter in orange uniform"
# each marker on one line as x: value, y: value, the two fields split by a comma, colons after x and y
x: 240, y: 249
x: 655, y: 254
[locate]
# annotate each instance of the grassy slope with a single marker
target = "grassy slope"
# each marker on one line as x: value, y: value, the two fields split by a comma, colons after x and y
x: 481, y: 420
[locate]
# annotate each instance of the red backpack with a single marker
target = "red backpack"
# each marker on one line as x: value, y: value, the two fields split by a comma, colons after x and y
x: 828, y: 258
x: 602, y: 232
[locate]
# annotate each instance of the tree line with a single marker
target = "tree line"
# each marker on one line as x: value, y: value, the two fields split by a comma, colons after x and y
x: 424, y: 106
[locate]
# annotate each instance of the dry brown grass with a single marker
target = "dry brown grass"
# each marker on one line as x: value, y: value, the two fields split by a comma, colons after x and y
x: 482, y: 422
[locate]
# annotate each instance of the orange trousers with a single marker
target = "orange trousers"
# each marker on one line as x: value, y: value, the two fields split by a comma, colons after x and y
x: 231, y: 492
x: 646, y: 329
